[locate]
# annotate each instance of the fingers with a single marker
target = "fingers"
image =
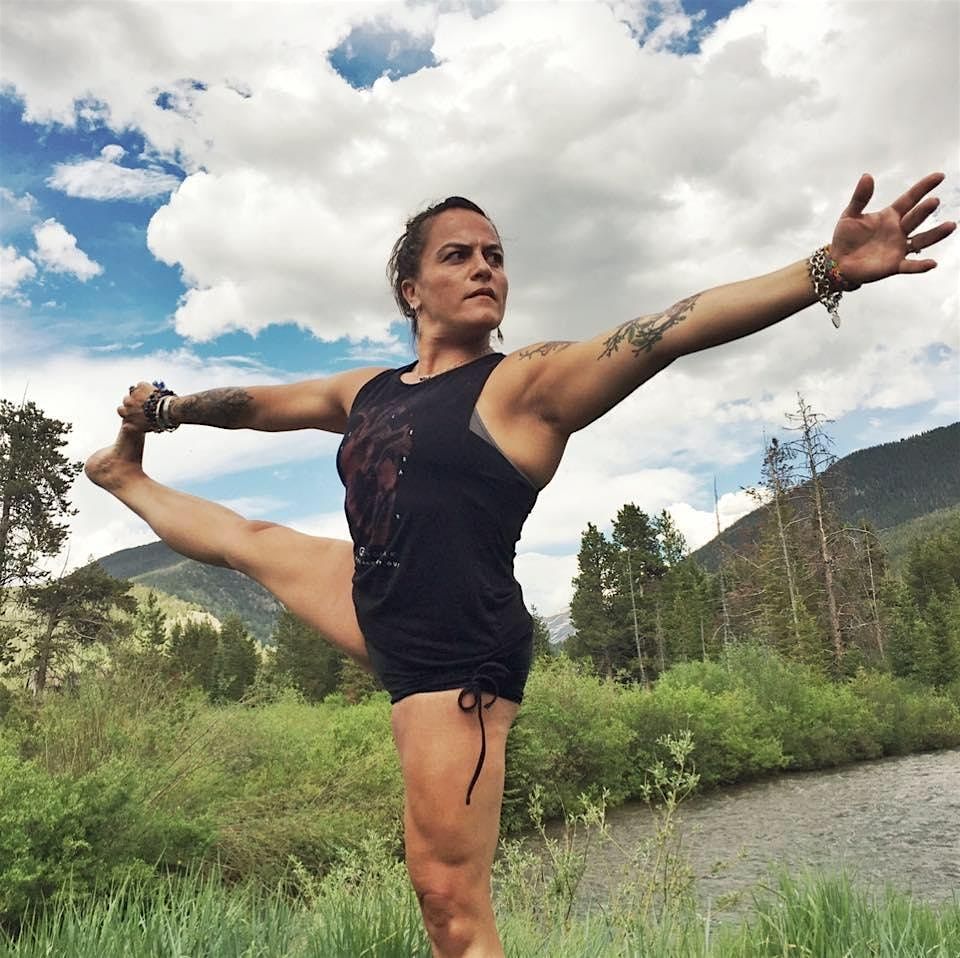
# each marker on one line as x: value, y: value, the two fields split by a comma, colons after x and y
x: 918, y: 214
x: 903, y: 204
x: 921, y: 241
x: 861, y: 196
x: 917, y: 265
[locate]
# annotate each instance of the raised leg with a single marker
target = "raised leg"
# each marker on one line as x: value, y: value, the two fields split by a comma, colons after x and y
x: 311, y: 576
x: 450, y: 845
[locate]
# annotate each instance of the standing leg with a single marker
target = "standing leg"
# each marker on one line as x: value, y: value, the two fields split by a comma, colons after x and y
x: 450, y: 845
x: 311, y: 576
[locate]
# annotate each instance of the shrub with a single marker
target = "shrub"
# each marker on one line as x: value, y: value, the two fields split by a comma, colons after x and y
x: 909, y: 716
x: 65, y: 835
x: 570, y: 738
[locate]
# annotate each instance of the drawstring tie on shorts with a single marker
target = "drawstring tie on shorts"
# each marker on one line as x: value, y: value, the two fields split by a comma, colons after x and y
x: 471, y: 697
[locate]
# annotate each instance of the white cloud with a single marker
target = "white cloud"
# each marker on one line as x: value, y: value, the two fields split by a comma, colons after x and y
x: 14, y: 270
x: 105, y: 179
x: 16, y: 212
x: 58, y: 252
x: 622, y: 176
x: 699, y: 526
x: 545, y: 580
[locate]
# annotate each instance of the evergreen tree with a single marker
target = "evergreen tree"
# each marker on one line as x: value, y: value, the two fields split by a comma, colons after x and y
x: 356, y: 682
x: 592, y: 607
x: 236, y: 661
x: 305, y: 658
x: 151, y: 623
x: 939, y: 647
x: 193, y: 652
x: 637, y: 611
x: 71, y: 613
x: 691, y: 614
x: 541, y: 635
x: 35, y: 478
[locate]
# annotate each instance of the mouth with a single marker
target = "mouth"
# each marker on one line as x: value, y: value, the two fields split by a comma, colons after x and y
x: 486, y: 291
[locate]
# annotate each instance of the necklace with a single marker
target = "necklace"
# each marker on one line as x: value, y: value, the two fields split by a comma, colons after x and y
x: 450, y: 368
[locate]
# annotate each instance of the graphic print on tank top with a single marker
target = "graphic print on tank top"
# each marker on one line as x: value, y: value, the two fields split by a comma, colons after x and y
x: 371, y: 461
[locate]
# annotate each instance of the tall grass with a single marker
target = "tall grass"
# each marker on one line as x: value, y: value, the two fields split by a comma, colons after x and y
x: 815, y: 916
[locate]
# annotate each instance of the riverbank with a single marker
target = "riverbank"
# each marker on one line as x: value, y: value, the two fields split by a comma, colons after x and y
x: 377, y: 917
x: 132, y: 777
x: 886, y: 822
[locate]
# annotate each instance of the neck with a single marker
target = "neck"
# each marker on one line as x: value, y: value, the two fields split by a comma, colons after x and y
x: 435, y: 357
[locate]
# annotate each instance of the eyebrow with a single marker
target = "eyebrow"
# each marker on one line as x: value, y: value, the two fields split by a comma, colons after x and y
x: 454, y: 245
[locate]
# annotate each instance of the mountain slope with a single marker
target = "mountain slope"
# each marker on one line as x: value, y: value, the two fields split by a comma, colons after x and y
x: 888, y: 485
x: 222, y: 592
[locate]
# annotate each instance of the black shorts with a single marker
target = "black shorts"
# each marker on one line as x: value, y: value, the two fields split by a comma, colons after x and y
x: 503, y: 673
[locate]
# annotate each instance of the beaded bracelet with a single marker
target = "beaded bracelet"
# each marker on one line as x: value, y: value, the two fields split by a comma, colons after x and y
x: 829, y: 284
x: 150, y: 408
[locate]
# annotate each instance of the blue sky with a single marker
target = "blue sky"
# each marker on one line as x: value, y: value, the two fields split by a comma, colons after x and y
x: 218, y: 210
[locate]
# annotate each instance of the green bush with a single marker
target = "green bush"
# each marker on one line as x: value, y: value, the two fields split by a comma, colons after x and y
x: 817, y: 723
x: 910, y: 717
x: 60, y: 834
x: 571, y: 737
x: 299, y: 782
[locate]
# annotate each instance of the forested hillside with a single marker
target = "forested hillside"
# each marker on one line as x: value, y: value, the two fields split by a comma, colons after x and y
x: 885, y: 485
x: 222, y: 592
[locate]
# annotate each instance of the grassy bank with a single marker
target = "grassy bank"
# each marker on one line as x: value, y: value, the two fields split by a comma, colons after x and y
x: 817, y: 916
x: 131, y: 779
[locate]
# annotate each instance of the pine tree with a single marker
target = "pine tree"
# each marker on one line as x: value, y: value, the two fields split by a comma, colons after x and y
x: 305, y: 658
x: 541, y: 635
x: 592, y: 606
x: 151, y: 623
x: 236, y: 661
x: 72, y: 612
x: 193, y: 653
x: 35, y: 479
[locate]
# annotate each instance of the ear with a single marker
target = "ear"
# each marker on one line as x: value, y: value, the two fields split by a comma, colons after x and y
x: 409, y: 289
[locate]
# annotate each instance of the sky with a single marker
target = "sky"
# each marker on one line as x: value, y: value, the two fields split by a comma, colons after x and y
x: 207, y: 194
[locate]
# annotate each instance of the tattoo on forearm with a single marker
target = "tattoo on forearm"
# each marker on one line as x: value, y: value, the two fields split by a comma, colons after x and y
x: 544, y: 349
x: 644, y: 333
x: 226, y: 408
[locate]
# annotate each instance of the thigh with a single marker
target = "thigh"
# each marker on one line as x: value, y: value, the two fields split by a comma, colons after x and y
x: 449, y: 843
x: 311, y: 576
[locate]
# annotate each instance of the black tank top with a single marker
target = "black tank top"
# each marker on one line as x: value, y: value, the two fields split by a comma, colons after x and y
x: 435, y: 512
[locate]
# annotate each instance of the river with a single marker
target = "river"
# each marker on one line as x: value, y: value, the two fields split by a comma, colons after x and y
x: 888, y: 822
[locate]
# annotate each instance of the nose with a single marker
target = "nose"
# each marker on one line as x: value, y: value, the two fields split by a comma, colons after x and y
x: 481, y: 268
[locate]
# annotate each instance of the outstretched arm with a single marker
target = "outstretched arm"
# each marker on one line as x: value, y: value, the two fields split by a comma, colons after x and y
x: 312, y: 404
x: 569, y: 385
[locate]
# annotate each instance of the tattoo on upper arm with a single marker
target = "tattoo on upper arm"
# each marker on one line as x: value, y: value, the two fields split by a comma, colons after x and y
x: 544, y: 349
x: 644, y: 333
x: 215, y: 407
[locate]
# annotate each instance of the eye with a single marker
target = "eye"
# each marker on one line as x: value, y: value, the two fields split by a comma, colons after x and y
x: 495, y: 257
x: 454, y: 254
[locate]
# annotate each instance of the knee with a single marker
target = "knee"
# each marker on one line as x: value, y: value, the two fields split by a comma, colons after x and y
x: 246, y: 547
x: 452, y: 913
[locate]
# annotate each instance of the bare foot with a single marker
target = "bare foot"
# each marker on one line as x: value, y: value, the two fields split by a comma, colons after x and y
x: 114, y: 465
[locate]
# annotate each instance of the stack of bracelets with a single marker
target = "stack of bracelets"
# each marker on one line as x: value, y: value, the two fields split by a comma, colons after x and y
x: 156, y: 408
x: 829, y: 284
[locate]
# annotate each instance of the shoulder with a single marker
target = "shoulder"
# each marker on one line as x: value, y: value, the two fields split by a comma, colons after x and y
x: 349, y: 383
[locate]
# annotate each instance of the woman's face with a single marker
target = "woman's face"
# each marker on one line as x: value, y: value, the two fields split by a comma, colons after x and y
x: 462, y: 282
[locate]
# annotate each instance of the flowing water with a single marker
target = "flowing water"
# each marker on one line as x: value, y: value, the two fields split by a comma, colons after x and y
x: 890, y: 822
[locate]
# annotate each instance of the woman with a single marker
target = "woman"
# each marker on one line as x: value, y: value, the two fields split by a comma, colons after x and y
x: 442, y: 461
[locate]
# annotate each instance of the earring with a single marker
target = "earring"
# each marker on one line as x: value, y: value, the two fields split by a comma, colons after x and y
x: 499, y: 335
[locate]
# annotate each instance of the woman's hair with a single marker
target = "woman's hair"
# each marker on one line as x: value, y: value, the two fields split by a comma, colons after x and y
x: 404, y: 261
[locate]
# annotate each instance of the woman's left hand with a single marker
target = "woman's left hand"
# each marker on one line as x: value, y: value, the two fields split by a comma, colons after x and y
x: 872, y: 246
